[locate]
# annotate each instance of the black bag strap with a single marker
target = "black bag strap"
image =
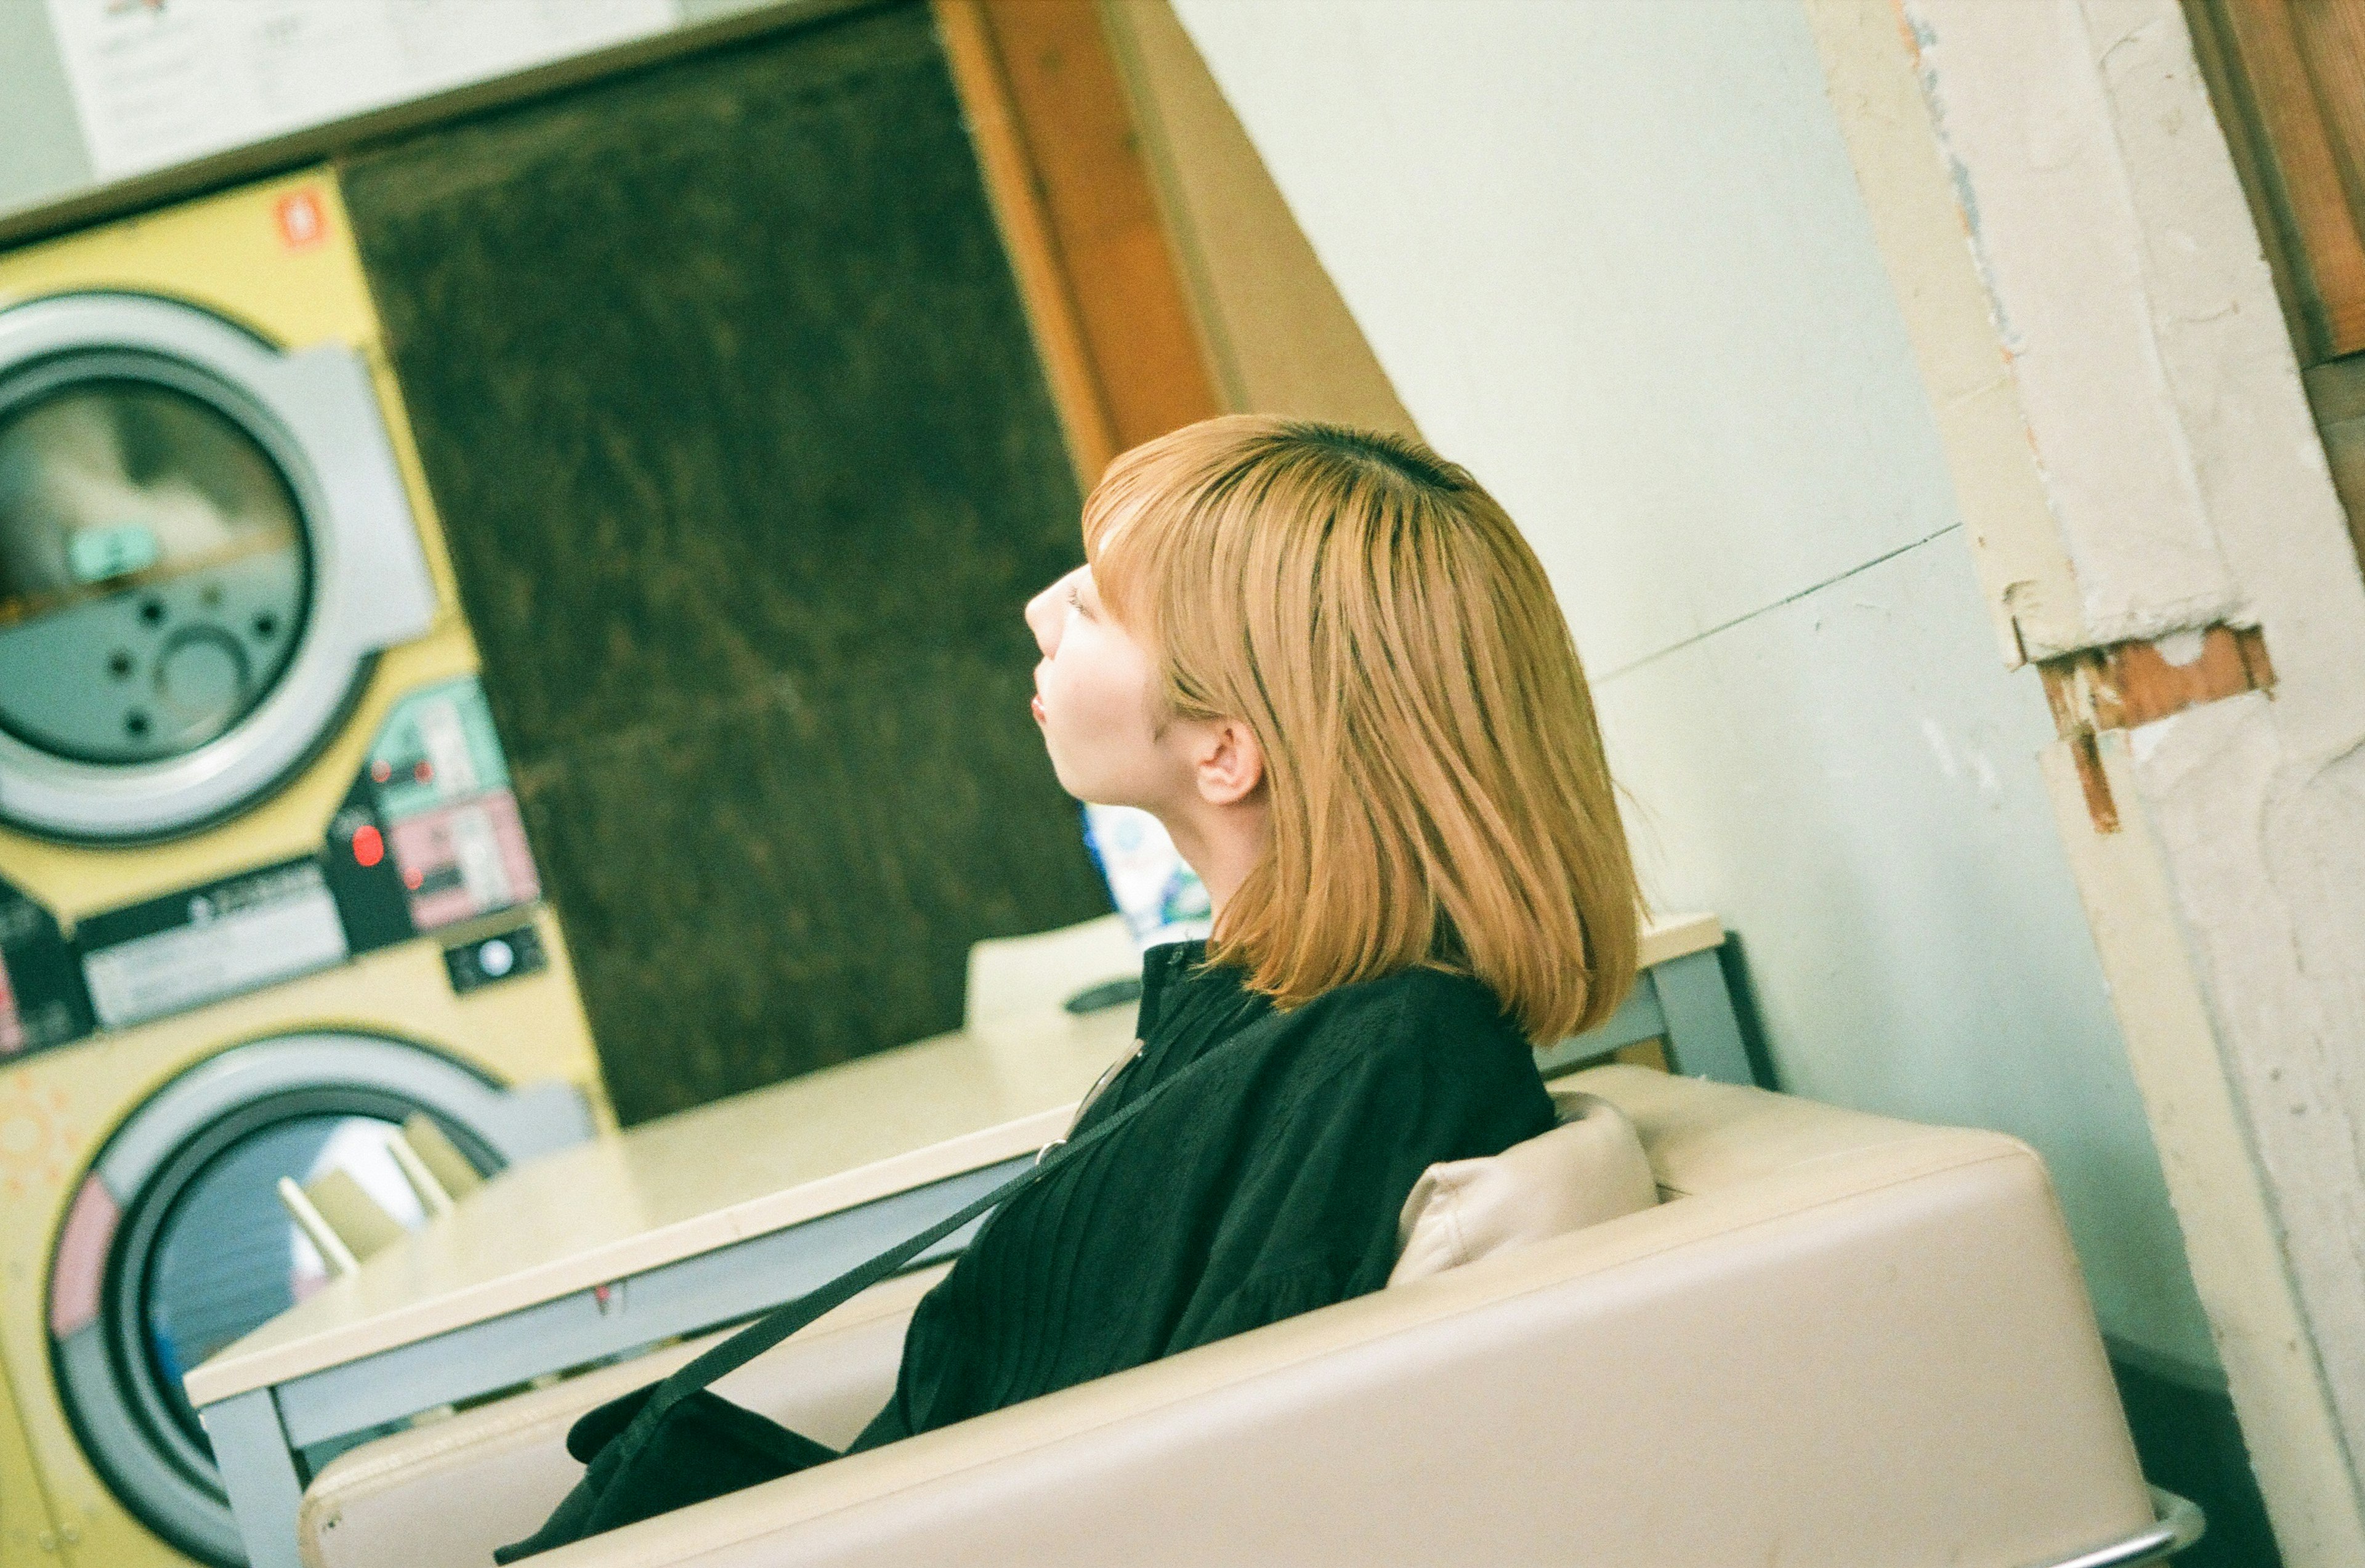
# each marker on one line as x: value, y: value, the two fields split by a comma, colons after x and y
x: 784, y: 1320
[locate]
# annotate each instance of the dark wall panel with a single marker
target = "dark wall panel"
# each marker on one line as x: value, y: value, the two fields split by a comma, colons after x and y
x: 728, y: 404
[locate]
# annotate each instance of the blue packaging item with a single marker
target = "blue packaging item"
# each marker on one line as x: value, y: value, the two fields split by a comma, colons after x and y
x: 1161, y: 897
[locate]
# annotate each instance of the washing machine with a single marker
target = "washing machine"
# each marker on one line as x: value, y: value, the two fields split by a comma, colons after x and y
x: 264, y: 889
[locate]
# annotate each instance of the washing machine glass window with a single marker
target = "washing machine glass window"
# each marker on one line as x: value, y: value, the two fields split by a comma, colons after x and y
x: 176, y: 1243
x: 154, y: 570
x: 206, y: 539
x: 226, y: 1258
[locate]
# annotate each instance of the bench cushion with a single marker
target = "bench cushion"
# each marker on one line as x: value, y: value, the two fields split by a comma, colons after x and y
x: 1588, y: 1169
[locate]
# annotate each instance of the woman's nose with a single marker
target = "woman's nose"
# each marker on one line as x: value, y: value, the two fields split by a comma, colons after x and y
x: 1044, y: 617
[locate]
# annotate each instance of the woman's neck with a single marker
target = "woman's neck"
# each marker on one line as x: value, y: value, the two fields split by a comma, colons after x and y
x: 1221, y: 843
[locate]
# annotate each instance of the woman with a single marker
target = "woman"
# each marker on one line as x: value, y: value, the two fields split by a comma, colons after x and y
x: 1327, y: 661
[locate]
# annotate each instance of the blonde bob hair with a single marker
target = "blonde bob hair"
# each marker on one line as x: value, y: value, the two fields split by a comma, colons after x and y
x: 1439, y: 796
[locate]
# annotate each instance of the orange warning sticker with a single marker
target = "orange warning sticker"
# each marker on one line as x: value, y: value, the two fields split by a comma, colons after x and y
x: 303, y: 222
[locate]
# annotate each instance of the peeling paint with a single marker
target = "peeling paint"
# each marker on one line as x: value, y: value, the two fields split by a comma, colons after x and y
x: 1873, y: 72
x: 2230, y: 1222
x: 1967, y: 197
x: 2052, y: 188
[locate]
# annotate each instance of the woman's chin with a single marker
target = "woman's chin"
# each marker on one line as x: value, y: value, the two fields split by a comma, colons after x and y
x: 1089, y: 791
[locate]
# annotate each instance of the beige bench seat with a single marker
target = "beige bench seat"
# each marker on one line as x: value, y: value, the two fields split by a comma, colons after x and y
x: 1841, y: 1340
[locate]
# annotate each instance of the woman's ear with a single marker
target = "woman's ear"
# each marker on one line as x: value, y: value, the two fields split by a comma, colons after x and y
x: 1230, y: 764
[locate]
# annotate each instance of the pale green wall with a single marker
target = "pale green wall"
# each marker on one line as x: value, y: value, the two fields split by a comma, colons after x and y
x: 1613, y: 257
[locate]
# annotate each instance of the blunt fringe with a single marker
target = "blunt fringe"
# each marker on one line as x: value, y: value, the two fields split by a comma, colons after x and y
x: 1440, y: 797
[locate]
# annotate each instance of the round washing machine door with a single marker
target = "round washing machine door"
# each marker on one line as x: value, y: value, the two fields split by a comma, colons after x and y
x: 203, y: 540
x: 177, y: 1244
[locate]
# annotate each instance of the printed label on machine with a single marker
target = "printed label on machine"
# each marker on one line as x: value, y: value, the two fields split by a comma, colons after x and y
x: 178, y: 952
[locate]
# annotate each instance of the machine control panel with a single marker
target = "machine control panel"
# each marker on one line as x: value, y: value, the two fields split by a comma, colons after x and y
x: 429, y: 838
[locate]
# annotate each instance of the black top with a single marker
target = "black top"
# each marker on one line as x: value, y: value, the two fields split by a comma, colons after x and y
x: 1268, y: 1185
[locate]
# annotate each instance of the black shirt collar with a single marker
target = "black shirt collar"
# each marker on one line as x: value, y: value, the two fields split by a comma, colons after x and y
x: 1177, y: 989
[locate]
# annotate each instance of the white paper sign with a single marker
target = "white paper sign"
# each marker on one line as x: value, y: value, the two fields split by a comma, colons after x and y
x: 162, y: 82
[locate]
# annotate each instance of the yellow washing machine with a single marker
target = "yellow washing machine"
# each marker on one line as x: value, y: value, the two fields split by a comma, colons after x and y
x: 265, y: 892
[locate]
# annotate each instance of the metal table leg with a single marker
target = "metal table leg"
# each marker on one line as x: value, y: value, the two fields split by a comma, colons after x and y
x: 258, y: 1469
x: 1703, y: 1034
x: 1683, y: 1002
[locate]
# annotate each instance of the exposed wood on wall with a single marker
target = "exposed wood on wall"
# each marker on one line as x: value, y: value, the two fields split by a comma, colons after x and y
x: 2127, y: 685
x: 1055, y: 139
x: 2229, y: 89
x: 2291, y: 75
x: 2288, y: 78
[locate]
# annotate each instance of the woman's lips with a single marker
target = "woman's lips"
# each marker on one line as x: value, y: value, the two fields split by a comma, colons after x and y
x: 1036, y: 704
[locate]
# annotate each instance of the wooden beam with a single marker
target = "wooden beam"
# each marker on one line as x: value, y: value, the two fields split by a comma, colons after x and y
x: 1277, y: 336
x: 1062, y: 164
x: 2296, y: 127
